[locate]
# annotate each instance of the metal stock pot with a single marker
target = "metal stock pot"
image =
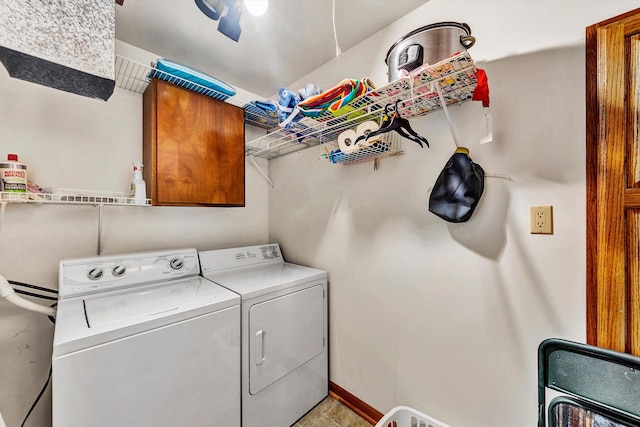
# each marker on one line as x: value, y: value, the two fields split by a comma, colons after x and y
x: 429, y: 44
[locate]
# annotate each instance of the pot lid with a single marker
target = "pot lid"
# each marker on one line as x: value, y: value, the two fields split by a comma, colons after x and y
x: 437, y: 25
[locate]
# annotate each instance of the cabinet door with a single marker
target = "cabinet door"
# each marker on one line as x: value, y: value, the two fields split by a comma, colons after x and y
x: 196, y: 148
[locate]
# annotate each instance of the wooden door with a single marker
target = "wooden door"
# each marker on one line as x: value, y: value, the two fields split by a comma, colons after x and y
x: 195, y: 147
x: 613, y: 183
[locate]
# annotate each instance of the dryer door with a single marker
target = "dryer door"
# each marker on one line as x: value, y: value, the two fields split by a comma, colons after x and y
x: 284, y: 333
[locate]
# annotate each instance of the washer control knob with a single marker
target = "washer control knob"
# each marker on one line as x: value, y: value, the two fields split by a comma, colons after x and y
x: 95, y: 273
x: 271, y: 252
x: 119, y: 270
x: 176, y: 263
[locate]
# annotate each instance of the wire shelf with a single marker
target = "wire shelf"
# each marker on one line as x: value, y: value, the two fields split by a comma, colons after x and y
x: 135, y: 77
x: 412, y: 96
x: 63, y: 196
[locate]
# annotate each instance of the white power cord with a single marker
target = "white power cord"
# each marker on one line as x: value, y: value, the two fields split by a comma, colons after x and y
x: 335, y: 34
x: 7, y: 292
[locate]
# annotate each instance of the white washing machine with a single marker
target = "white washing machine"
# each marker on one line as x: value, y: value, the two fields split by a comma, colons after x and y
x: 284, y: 331
x: 143, y: 340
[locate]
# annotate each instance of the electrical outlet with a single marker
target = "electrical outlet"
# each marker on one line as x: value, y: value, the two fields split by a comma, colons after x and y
x: 541, y: 219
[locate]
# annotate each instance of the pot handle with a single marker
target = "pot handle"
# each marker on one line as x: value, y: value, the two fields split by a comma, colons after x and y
x: 467, y: 41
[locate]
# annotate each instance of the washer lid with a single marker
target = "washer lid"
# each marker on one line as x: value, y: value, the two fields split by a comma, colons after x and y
x: 254, y: 281
x: 143, y: 302
x: 99, y: 318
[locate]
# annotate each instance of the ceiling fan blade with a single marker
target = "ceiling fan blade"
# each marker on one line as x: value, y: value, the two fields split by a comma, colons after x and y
x: 212, y: 8
x: 230, y: 23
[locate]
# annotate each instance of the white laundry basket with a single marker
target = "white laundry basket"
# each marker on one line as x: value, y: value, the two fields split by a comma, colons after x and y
x: 403, y: 416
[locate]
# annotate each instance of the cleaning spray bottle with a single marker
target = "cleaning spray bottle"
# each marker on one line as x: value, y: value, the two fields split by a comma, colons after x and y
x: 138, y: 188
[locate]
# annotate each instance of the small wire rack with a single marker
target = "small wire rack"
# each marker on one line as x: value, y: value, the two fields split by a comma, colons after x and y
x: 389, y: 145
x: 412, y: 96
x: 73, y: 197
x: 135, y: 77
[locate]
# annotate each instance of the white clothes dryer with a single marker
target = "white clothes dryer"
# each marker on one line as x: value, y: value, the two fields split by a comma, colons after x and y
x: 142, y: 340
x: 284, y: 331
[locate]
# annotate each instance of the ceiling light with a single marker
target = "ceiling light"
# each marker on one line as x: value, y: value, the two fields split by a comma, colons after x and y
x: 256, y: 7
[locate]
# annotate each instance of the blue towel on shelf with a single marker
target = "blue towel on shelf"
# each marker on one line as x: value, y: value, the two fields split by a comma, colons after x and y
x: 264, y: 112
x: 287, y: 101
x: 267, y: 106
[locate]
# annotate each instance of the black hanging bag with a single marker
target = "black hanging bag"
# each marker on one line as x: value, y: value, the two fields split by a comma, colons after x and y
x: 458, y: 188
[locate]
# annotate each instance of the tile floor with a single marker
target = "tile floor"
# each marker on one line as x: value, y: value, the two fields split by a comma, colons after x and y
x: 331, y: 413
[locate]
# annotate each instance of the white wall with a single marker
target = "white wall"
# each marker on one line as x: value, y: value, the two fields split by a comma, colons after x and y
x: 445, y: 317
x: 73, y: 142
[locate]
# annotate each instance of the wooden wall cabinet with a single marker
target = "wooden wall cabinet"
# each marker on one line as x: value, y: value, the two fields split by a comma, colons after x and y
x: 193, y: 148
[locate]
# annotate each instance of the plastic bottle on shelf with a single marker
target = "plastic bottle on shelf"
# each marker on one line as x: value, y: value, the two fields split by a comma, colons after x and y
x: 13, y: 176
x: 138, y: 188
